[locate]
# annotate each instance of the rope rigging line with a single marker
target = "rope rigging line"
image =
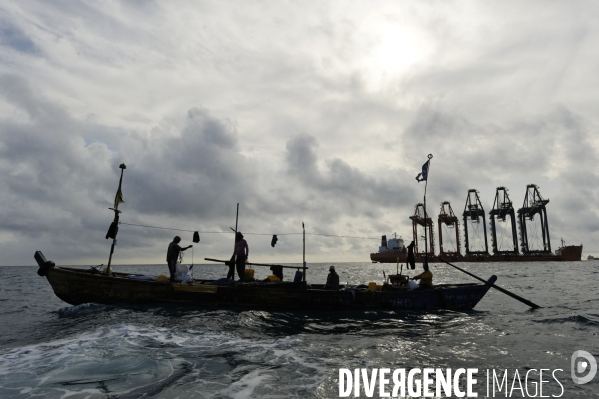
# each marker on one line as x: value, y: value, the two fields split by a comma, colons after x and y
x: 502, y: 234
x: 535, y: 236
x: 448, y: 238
x: 254, y: 234
x: 477, y: 235
x: 167, y: 228
x: 505, y: 232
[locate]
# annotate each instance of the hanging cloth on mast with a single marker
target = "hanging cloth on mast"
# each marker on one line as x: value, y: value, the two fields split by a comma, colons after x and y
x: 196, y: 237
x: 118, y: 198
x: 113, y: 229
x: 273, y: 241
x: 424, y: 174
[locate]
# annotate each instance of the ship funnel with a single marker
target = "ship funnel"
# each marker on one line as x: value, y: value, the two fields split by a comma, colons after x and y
x: 384, y: 241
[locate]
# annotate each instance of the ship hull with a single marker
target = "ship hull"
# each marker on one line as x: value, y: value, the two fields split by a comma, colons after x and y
x: 76, y: 286
x: 570, y: 253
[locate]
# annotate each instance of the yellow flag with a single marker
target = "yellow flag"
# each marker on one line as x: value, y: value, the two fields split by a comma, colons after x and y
x: 118, y: 199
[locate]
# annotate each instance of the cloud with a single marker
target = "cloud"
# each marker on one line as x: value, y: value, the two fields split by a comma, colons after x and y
x: 13, y: 37
x: 343, y: 188
x: 206, y: 105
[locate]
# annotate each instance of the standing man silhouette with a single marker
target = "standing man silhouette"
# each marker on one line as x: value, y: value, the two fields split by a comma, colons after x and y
x: 172, y: 255
x: 241, y: 254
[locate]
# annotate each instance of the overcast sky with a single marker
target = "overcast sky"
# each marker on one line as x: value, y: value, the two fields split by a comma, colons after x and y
x: 315, y: 112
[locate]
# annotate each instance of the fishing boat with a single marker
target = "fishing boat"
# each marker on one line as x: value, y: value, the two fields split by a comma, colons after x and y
x: 78, y: 286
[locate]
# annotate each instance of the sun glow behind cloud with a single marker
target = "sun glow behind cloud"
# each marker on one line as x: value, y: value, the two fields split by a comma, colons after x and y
x: 397, y: 47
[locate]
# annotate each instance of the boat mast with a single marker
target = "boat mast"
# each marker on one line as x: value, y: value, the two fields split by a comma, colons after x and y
x: 430, y: 156
x: 114, y: 228
x: 304, y: 252
x: 236, y: 220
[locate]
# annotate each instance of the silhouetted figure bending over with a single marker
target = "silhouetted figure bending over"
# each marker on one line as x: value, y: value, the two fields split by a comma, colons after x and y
x: 410, y: 259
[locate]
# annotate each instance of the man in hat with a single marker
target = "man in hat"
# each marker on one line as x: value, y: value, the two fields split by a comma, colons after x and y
x: 172, y: 255
x: 332, y: 279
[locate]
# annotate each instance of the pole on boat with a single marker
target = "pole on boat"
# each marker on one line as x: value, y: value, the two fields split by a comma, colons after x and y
x: 234, y: 240
x: 517, y: 297
x: 428, y: 163
x: 304, y: 252
x: 236, y: 218
x: 114, y: 228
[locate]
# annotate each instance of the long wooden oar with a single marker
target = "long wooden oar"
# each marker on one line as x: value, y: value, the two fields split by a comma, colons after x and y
x: 519, y: 298
x: 256, y: 264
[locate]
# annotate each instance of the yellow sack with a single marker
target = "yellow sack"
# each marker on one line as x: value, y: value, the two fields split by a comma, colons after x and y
x: 249, y: 274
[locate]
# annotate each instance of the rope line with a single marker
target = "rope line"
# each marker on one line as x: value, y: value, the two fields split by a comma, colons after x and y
x: 167, y: 228
x: 254, y: 234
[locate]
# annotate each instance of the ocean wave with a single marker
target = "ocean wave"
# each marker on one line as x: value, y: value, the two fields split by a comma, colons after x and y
x: 83, y: 309
x: 122, y: 360
x: 587, y: 320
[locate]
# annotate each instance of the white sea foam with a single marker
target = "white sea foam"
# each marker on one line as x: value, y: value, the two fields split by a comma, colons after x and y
x: 122, y: 355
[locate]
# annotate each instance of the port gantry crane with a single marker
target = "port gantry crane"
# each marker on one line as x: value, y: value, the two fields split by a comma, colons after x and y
x: 419, y: 220
x: 447, y: 217
x: 473, y: 211
x: 502, y: 208
x: 533, y: 204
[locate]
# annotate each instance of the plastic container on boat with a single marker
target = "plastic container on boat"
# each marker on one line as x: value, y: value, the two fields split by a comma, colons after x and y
x: 249, y: 274
x: 182, y: 268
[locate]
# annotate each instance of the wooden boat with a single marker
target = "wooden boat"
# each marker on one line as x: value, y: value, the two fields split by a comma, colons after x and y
x: 77, y: 286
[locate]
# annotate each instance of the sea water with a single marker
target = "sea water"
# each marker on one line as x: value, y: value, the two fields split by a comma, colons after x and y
x: 49, y: 349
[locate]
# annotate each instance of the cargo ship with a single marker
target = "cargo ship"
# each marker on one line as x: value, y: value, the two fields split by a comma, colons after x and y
x: 533, y: 209
x: 569, y: 253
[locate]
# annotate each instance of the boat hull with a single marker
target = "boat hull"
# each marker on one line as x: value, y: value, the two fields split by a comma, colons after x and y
x: 568, y: 254
x: 76, y: 286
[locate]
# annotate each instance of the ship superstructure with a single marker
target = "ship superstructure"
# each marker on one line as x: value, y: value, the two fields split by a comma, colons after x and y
x: 394, y: 245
